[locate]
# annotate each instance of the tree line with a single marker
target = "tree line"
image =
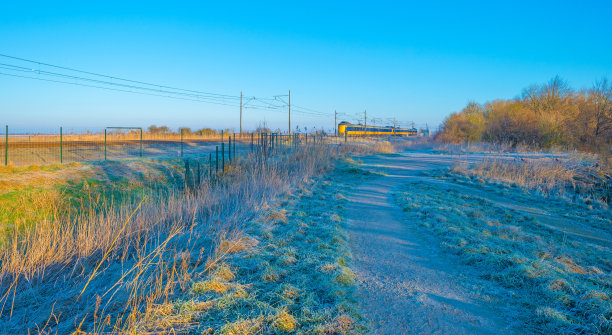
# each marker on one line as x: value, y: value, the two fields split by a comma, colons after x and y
x: 153, y: 129
x: 545, y: 115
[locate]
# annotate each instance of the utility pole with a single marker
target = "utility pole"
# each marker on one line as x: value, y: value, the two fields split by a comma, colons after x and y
x: 335, y: 123
x: 394, y: 123
x: 289, y: 112
x: 240, y: 113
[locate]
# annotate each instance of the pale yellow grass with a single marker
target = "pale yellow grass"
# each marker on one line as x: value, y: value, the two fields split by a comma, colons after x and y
x: 551, y: 176
x: 109, y: 269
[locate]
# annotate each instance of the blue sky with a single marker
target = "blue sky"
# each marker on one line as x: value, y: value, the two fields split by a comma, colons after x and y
x: 415, y: 61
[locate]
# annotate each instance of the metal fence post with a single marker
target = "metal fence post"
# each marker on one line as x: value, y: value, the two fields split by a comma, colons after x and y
x: 61, y: 147
x: 234, y: 145
x: 251, y: 142
x: 104, y: 143
x: 187, y: 175
x: 6, y: 147
x: 199, y: 181
x: 209, y: 165
x: 181, y: 142
x: 217, y: 159
x: 140, y: 142
x: 229, y: 148
x: 222, y: 156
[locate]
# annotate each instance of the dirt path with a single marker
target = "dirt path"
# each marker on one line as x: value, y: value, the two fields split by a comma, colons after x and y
x: 407, y: 284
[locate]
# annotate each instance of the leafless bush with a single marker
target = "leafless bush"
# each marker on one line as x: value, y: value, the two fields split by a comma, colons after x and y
x: 545, y: 116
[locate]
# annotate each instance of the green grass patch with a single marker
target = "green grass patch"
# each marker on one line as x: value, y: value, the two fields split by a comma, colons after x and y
x: 32, y: 194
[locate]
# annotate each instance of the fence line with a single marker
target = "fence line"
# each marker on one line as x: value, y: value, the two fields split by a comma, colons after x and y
x: 28, y: 148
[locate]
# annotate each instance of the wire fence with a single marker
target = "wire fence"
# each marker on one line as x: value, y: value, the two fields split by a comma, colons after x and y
x: 27, y: 147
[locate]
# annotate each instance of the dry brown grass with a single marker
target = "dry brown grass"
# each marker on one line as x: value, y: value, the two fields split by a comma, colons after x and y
x: 365, y: 146
x: 211, y: 286
x: 104, y: 271
x: 384, y: 147
x: 570, y: 177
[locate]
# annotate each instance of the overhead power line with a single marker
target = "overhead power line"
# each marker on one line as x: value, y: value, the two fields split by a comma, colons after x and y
x: 109, y: 88
x: 103, y: 82
x: 114, y: 83
x: 116, y: 78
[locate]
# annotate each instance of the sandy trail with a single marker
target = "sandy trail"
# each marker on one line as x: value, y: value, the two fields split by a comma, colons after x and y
x: 407, y: 284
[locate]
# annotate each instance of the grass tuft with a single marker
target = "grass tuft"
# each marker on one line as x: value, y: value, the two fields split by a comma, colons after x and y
x: 243, y: 327
x: 346, y: 277
x: 210, y: 286
x: 236, y: 245
x: 284, y: 322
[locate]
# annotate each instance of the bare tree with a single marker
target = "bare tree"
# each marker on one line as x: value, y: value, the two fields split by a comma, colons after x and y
x: 601, y: 95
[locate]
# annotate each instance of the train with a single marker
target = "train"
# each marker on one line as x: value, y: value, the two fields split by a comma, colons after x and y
x: 359, y: 129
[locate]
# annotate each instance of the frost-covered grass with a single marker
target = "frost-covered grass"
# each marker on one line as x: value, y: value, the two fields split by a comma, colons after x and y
x: 103, y: 267
x: 294, y: 276
x: 561, y: 283
x: 576, y: 177
x: 138, y: 252
x: 579, y: 211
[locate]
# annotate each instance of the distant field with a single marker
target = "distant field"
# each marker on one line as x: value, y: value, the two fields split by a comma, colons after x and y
x: 42, y: 149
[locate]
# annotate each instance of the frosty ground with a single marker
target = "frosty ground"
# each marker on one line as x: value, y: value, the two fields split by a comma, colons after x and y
x: 438, y: 252
x: 321, y: 243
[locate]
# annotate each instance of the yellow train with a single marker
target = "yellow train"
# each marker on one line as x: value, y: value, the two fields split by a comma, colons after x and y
x: 359, y: 129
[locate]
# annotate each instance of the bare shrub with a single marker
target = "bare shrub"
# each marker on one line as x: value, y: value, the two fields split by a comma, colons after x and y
x: 544, y: 116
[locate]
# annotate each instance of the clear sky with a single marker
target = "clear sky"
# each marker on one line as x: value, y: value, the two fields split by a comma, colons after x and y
x: 415, y: 61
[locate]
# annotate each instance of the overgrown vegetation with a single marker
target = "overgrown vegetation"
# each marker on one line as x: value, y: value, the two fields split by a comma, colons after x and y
x: 111, y: 264
x: 288, y: 273
x: 546, y: 115
x: 575, y: 177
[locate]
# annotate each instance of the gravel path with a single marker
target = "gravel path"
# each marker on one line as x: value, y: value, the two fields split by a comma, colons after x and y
x: 408, y: 285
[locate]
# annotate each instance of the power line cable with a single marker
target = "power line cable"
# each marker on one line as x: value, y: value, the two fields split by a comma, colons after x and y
x: 116, y: 78
x: 160, y: 90
x: 54, y: 74
x: 111, y: 89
